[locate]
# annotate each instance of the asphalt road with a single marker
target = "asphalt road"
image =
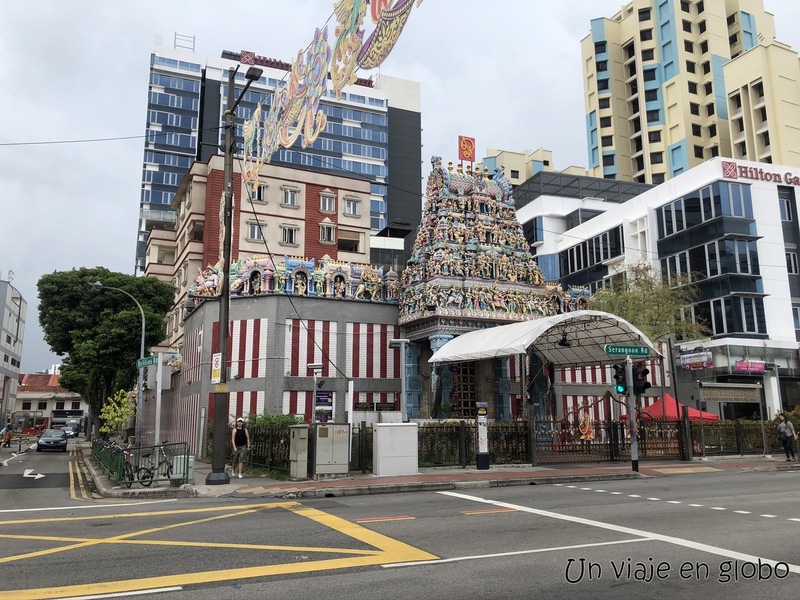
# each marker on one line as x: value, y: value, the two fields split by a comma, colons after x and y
x: 710, y: 535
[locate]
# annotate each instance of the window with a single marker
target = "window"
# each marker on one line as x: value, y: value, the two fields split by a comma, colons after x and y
x: 648, y: 54
x: 651, y: 95
x: 694, y: 108
x: 602, y: 85
x: 327, y: 204
x: 796, y: 316
x: 692, y: 87
x: 706, y: 67
x: 42, y: 405
x: 658, y: 178
x: 348, y: 241
x: 731, y: 18
x: 697, y: 131
x: 604, y: 103
x: 351, y: 207
x: 791, y: 263
x: 514, y: 174
x: 759, y: 89
x: 254, y: 232
x: 646, y: 34
x: 327, y: 234
x: 60, y: 405
x: 701, y: 26
x: 26, y: 406
x: 607, y: 140
x: 710, y: 109
x: 656, y: 158
x: 604, y: 122
x: 687, y: 26
x: 289, y: 197
x: 654, y: 136
x: 685, y: 6
x: 690, y: 66
x: 653, y: 116
x: 733, y: 39
x: 608, y: 160
x: 601, y: 65
x: 599, y: 47
x: 714, y: 151
x: 289, y: 235
x: 698, y: 151
x: 76, y: 405
x: 260, y: 193
x: 644, y: 14
x: 708, y: 88
x: 786, y: 202
x: 703, y: 47
x: 649, y: 74
x: 700, y: 7
x: 688, y: 46
x: 712, y: 130
x: 765, y: 139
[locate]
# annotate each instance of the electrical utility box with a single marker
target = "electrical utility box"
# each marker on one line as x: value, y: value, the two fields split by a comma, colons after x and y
x: 298, y: 452
x: 331, y: 448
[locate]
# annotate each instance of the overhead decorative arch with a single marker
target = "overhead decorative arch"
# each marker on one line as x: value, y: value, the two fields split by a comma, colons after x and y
x: 572, y: 338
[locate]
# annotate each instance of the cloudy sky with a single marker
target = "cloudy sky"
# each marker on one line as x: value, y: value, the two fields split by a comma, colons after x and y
x: 506, y: 72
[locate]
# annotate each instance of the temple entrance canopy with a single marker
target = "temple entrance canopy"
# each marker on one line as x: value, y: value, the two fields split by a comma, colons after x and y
x: 575, y: 338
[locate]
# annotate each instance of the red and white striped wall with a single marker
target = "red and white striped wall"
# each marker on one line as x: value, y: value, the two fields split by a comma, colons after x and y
x: 242, y: 404
x: 574, y: 406
x: 302, y: 404
x: 310, y: 341
x: 368, y: 352
x: 603, y: 374
x: 248, y: 347
x: 180, y: 420
x: 191, y: 358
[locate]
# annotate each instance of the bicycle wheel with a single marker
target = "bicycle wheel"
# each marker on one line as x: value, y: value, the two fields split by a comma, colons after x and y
x: 127, y: 474
x: 168, y: 470
x: 145, y: 476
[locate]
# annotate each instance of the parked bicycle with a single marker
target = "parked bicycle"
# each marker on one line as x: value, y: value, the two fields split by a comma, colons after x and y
x: 128, y: 476
x: 163, y: 468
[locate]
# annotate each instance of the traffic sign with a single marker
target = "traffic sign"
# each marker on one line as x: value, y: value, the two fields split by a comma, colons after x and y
x: 615, y: 350
x: 143, y: 362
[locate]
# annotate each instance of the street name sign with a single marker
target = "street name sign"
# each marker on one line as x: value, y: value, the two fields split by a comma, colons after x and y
x: 144, y: 362
x: 616, y: 350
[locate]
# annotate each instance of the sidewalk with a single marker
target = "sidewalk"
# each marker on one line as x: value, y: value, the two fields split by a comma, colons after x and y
x: 428, y: 479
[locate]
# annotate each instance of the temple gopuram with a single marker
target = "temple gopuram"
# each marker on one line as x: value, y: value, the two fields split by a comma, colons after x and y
x: 471, y: 268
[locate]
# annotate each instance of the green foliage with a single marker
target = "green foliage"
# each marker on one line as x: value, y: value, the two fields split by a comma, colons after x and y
x: 643, y: 299
x: 266, y: 420
x: 99, y: 330
x: 116, y: 412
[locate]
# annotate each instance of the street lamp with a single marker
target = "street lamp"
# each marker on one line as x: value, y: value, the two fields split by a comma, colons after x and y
x: 218, y: 476
x: 402, y: 343
x: 139, y: 392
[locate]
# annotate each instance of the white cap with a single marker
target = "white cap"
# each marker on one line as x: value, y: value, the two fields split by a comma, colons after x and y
x: 240, y: 419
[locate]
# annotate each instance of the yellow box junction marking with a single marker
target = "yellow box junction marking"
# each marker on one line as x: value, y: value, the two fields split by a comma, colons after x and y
x: 386, y: 550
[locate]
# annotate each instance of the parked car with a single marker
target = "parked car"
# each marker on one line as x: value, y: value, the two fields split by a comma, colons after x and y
x: 52, y: 439
x: 70, y: 431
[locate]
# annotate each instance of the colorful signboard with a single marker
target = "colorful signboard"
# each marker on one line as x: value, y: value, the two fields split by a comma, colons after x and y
x: 697, y: 360
x: 466, y: 148
x: 750, y: 366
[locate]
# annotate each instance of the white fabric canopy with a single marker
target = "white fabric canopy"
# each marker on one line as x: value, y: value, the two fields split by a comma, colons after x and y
x: 585, y: 331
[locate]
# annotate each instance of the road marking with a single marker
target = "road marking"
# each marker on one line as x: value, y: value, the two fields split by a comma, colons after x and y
x: 384, y: 549
x: 379, y: 519
x: 122, y: 594
x: 486, y: 511
x: 634, y: 496
x: 601, y: 491
x: 655, y: 499
x: 696, y: 505
x: 616, y: 493
x: 733, y: 554
x: 46, y: 508
x: 718, y: 508
x: 768, y: 516
x: 743, y: 512
x: 587, y: 489
x: 794, y: 519
x: 674, y: 502
x: 29, y: 473
x: 501, y: 554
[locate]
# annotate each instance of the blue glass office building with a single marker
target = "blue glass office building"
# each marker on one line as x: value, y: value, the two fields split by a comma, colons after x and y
x: 373, y: 131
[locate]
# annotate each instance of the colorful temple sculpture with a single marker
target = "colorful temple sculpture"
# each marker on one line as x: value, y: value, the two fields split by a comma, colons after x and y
x: 471, y: 268
x: 326, y: 278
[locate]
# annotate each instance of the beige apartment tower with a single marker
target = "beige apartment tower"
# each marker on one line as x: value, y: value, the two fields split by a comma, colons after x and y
x: 655, y: 84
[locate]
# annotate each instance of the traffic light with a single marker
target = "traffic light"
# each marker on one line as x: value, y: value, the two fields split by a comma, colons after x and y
x: 620, y: 385
x: 640, y: 383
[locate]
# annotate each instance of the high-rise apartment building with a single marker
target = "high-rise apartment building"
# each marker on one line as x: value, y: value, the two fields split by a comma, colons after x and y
x: 655, y: 84
x: 13, y: 309
x: 373, y: 131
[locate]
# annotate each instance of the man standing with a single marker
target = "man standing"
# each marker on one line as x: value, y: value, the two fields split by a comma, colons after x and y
x: 240, y: 439
x: 788, y: 435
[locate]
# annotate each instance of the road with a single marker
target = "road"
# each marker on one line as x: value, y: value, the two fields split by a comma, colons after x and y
x: 709, y: 535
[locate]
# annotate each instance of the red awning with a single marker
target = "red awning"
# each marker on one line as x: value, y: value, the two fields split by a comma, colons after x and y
x: 670, y: 409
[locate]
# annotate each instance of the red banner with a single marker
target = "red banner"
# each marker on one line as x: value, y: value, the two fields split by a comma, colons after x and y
x: 466, y: 148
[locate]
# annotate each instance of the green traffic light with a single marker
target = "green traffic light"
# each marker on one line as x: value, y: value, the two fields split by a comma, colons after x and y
x: 620, y: 389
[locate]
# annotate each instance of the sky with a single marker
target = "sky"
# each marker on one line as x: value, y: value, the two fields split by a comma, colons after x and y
x: 507, y: 73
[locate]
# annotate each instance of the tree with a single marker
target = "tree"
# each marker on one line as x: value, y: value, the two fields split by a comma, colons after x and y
x: 116, y: 412
x: 99, y: 330
x: 645, y: 300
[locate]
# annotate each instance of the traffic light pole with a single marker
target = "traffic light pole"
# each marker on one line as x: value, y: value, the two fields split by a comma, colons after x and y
x: 632, y: 414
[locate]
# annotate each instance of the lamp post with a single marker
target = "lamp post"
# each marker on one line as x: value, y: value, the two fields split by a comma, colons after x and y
x: 139, y: 392
x: 218, y: 476
x: 402, y: 343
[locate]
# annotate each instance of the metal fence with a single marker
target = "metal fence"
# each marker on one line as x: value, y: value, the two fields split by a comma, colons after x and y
x: 143, y: 465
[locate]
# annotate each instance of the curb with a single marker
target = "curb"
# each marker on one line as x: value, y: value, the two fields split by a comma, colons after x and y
x: 439, y: 486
